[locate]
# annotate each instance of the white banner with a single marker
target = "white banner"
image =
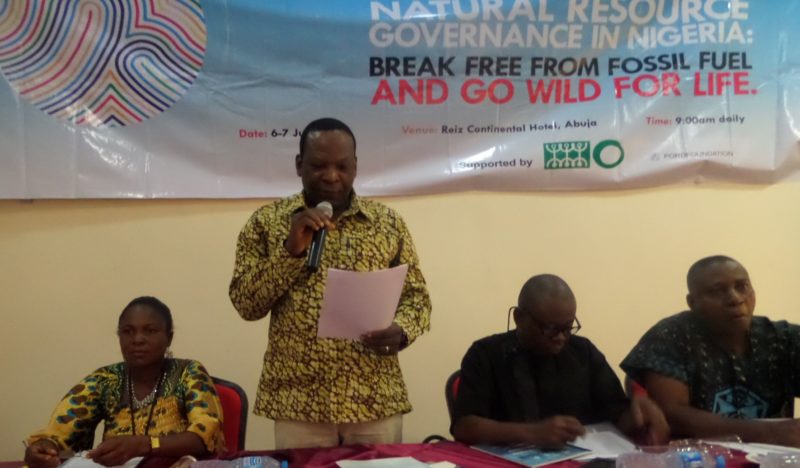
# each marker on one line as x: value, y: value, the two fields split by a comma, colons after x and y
x: 186, y: 98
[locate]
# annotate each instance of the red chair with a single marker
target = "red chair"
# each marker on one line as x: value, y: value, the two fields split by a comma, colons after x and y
x: 451, y: 390
x: 450, y: 393
x: 234, y: 413
x: 634, y: 388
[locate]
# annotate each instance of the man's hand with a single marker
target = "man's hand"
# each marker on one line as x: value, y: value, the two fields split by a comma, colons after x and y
x: 554, y: 431
x: 649, y: 421
x: 42, y: 454
x: 117, y: 450
x: 385, y: 342
x: 304, y: 224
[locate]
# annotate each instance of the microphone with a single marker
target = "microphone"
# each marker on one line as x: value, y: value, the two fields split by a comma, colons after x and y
x: 318, y: 242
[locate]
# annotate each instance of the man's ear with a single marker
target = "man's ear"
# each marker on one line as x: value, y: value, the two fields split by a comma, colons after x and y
x: 690, y: 301
x: 298, y: 161
x: 517, y: 315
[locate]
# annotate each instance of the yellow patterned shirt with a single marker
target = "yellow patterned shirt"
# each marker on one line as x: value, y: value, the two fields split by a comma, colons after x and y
x: 187, y: 402
x: 306, y: 378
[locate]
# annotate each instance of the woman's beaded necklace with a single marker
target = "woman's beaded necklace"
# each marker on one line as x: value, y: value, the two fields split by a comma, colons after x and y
x: 151, y: 399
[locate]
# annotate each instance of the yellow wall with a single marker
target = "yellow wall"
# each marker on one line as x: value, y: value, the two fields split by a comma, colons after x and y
x: 68, y: 267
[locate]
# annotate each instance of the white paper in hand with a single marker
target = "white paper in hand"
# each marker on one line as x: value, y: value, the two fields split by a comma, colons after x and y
x: 357, y: 302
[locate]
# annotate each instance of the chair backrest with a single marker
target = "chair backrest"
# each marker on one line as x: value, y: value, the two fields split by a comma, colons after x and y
x: 234, y: 413
x: 451, y: 390
x: 450, y: 393
x: 634, y: 388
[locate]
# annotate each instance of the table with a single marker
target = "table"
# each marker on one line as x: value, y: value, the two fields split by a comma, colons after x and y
x: 454, y: 452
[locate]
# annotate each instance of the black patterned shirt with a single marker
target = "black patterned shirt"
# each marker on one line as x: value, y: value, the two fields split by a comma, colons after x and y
x: 306, y: 378
x: 760, y: 384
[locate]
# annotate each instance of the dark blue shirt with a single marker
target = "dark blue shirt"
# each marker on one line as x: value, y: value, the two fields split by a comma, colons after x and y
x: 759, y: 384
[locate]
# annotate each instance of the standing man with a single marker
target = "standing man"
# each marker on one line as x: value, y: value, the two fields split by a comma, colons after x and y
x: 539, y: 384
x: 324, y: 392
x: 718, y: 370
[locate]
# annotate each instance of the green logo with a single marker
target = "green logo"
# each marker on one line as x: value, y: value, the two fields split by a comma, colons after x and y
x: 567, y: 155
x: 578, y: 154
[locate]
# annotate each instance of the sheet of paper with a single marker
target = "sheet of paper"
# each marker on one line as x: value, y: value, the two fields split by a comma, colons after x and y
x: 604, y: 441
x: 357, y: 302
x: 755, y: 448
x: 528, y: 455
x: 397, y: 462
x: 80, y: 461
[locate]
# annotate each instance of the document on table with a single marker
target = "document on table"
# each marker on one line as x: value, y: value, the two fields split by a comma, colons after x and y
x: 755, y: 451
x: 605, y: 441
x: 397, y: 462
x: 357, y: 302
x: 80, y: 461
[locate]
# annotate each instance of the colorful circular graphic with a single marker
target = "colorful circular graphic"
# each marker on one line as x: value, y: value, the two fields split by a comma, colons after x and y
x: 103, y: 63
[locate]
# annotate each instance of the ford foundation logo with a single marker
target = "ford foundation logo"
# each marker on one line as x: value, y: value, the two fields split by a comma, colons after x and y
x: 607, y: 154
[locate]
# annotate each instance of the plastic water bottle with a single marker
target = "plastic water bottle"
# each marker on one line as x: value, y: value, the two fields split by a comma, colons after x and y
x: 670, y: 459
x: 255, y: 461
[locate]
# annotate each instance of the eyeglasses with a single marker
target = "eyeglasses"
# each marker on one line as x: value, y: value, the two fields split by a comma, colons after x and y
x: 551, y: 331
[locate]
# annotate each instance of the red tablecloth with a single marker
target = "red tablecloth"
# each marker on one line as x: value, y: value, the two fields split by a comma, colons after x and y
x: 453, y: 452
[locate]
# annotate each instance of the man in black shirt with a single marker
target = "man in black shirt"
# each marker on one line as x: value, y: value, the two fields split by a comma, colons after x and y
x: 539, y: 383
x: 718, y: 370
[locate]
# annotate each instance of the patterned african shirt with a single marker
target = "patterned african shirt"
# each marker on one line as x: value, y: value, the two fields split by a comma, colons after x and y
x: 760, y: 384
x: 306, y: 378
x: 187, y: 401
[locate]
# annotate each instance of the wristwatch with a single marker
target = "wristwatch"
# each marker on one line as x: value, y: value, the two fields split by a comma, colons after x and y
x: 155, y: 443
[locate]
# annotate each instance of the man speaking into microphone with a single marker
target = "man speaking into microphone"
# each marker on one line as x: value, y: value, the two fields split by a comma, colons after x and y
x: 324, y: 392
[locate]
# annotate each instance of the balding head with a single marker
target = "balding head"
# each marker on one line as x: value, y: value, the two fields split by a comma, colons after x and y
x: 541, y: 287
x: 545, y: 314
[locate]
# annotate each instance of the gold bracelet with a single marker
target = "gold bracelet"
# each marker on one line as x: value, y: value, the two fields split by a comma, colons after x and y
x: 155, y: 443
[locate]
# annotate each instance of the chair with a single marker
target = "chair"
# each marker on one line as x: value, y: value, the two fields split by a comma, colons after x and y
x: 450, y: 393
x: 234, y: 413
x: 634, y: 388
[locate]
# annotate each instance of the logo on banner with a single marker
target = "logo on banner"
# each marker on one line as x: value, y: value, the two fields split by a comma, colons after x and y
x: 103, y: 63
x: 607, y: 154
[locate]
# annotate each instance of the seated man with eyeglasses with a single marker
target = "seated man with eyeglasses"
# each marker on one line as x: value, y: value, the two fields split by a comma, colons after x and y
x: 716, y: 369
x: 539, y: 383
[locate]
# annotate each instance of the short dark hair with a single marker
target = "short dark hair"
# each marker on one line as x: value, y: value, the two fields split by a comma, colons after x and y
x: 158, y: 307
x: 325, y: 124
x: 702, y: 264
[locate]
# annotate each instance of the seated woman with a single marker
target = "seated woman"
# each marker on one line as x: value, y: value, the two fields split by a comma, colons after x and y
x: 150, y: 404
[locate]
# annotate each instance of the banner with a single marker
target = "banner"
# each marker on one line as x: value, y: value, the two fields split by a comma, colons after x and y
x: 188, y: 98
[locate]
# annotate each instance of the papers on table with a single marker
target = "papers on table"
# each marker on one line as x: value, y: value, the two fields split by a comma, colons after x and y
x: 357, y: 302
x: 600, y: 441
x: 756, y: 452
x: 80, y: 461
x: 397, y: 462
x: 605, y: 441
x: 529, y: 455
